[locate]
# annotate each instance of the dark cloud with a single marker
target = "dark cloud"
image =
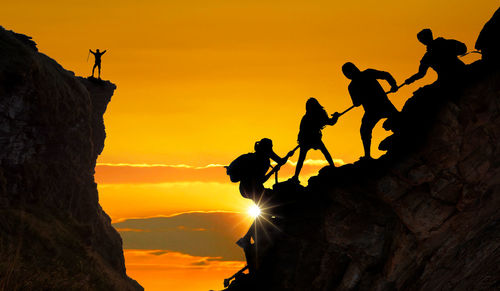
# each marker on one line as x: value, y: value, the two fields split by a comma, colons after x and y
x: 159, y: 253
x: 198, y: 234
x: 200, y: 263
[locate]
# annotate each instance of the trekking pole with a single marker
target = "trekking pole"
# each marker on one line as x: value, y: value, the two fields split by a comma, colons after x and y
x: 88, y: 55
x: 277, y: 168
x: 227, y: 281
x: 345, y: 111
x: 349, y: 109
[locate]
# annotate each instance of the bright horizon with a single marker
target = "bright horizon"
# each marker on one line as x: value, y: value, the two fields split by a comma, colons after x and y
x: 199, y: 82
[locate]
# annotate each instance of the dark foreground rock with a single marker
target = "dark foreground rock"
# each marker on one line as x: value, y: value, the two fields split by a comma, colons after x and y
x: 53, y: 233
x: 425, y: 216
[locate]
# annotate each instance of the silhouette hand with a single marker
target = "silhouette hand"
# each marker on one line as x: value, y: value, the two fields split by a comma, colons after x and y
x: 335, y: 118
x: 394, y: 89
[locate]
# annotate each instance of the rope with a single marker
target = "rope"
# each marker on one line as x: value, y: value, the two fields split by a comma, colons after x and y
x: 349, y: 109
x: 277, y: 167
x: 345, y: 111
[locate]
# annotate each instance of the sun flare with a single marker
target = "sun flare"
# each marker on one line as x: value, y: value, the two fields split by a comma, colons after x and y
x: 254, y: 211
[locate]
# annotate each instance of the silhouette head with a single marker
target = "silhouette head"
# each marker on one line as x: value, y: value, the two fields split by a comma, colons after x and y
x: 97, y: 50
x: 350, y: 70
x: 425, y: 36
x: 312, y: 105
x: 264, y: 146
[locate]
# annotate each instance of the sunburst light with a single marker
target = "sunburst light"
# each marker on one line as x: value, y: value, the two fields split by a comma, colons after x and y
x: 254, y: 211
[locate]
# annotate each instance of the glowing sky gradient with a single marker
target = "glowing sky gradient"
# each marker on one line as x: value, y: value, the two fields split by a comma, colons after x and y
x: 200, y: 81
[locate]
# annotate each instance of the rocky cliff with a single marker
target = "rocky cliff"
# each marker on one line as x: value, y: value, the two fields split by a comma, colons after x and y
x: 53, y: 233
x: 425, y: 216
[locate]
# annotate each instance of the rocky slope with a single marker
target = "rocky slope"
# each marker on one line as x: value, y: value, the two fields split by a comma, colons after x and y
x: 425, y: 216
x: 53, y: 233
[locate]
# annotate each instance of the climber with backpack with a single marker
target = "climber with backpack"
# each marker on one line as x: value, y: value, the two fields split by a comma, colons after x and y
x: 441, y: 55
x: 252, y: 171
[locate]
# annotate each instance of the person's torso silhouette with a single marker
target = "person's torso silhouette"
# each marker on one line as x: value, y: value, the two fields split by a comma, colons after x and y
x: 365, y: 90
x: 97, y: 56
x: 442, y: 56
x: 310, y: 128
x: 310, y: 134
x: 258, y: 165
x: 97, y: 63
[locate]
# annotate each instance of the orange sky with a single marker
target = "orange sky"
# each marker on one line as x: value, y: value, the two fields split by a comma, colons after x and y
x: 200, y: 81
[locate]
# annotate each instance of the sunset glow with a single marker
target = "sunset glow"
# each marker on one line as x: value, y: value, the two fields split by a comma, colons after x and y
x: 198, y: 82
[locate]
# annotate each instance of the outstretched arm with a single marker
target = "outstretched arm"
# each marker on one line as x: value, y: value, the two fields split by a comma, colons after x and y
x: 280, y: 161
x: 335, y: 117
x: 422, y: 70
x: 277, y: 158
x: 381, y: 75
x: 104, y: 52
x: 91, y: 51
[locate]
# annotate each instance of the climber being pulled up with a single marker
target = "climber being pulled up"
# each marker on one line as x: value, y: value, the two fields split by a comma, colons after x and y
x: 252, y: 171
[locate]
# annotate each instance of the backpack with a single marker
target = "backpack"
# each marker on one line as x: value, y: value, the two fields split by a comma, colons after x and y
x: 241, y: 167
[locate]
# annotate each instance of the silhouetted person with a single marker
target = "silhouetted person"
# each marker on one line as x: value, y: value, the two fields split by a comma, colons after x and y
x: 442, y: 56
x: 365, y: 90
x: 97, y: 56
x: 488, y: 41
x: 252, y: 184
x: 310, y: 135
x: 252, y: 171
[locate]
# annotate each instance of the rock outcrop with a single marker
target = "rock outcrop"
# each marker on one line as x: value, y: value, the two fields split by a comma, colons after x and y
x: 425, y: 216
x: 53, y: 233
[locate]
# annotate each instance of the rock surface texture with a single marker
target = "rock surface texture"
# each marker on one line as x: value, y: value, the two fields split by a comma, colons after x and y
x: 425, y: 216
x: 53, y: 233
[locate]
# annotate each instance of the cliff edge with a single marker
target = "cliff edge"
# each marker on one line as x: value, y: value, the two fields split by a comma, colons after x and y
x: 54, y: 235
